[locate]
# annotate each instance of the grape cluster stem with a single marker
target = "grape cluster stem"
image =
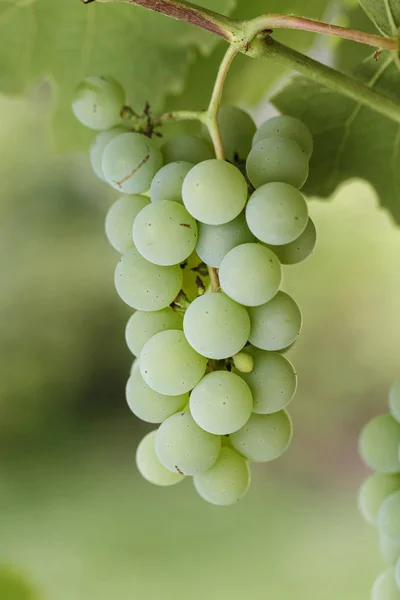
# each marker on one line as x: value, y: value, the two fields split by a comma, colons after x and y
x: 253, y: 38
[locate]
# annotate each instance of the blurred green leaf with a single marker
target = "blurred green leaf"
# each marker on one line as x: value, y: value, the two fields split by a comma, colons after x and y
x: 349, y: 54
x: 350, y: 140
x: 149, y: 53
x: 385, y: 14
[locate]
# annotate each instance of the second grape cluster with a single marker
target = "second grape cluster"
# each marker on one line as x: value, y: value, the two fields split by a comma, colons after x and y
x: 210, y: 367
x: 379, y: 496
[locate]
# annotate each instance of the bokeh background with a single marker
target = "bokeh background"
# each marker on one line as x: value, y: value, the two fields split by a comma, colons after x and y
x: 76, y: 520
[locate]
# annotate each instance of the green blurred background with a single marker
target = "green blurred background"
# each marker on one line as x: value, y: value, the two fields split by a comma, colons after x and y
x: 76, y: 520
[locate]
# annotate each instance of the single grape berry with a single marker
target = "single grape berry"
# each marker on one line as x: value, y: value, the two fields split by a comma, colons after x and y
x: 130, y: 162
x: 188, y: 148
x: 98, y: 101
x: 277, y: 213
x: 250, y: 274
x: 227, y: 481
x: 165, y: 233
x: 183, y: 447
x: 167, y: 182
x: 277, y: 159
x: 287, y: 127
x: 120, y: 219
x: 214, y: 192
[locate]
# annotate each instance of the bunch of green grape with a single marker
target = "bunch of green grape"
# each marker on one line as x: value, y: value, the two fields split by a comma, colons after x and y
x: 379, y: 495
x: 210, y: 368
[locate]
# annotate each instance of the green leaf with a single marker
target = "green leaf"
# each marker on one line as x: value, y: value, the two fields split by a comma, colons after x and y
x: 66, y: 40
x: 385, y: 14
x: 350, y: 140
x: 14, y: 587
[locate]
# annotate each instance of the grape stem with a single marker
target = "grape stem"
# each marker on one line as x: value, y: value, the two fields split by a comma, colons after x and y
x: 253, y: 38
x: 211, y: 115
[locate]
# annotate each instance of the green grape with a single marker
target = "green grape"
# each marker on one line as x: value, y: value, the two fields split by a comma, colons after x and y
x: 145, y: 286
x: 143, y: 325
x: 167, y: 182
x: 227, y: 481
x: 216, y: 326
x: 264, y: 437
x: 169, y: 365
x: 273, y: 381
x: 148, y: 405
x: 379, y: 444
x: 119, y: 221
x: 183, y: 447
x: 150, y: 466
x: 389, y: 550
x: 374, y: 491
x: 165, y: 233
x: 394, y: 400
x: 389, y: 517
x: 299, y: 249
x: 98, y: 101
x: 215, y: 241
x: 221, y: 402
x: 188, y: 148
x: 250, y: 274
x: 277, y: 159
x: 385, y: 587
x: 243, y: 362
x: 98, y: 147
x: 276, y: 324
x: 237, y: 129
x: 130, y: 162
x: 277, y: 213
x: 214, y: 192
x: 286, y: 127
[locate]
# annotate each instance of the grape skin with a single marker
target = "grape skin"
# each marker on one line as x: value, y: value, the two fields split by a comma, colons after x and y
x: 142, y: 325
x: 298, y: 250
x: 379, y: 443
x: 277, y: 159
x: 99, y: 145
x: 169, y: 365
x: 276, y: 324
x: 215, y: 241
x: 130, y: 162
x: 216, y: 326
x: 148, y: 405
x: 98, y: 101
x: 389, y: 550
x: 394, y: 400
x: 221, y: 403
x: 120, y: 219
x: 214, y: 192
x: 277, y: 213
x: 374, y: 491
x: 165, y: 233
x: 188, y: 148
x: 385, y: 587
x: 149, y: 465
x: 167, y: 182
x: 287, y: 127
x: 389, y: 517
x: 145, y: 286
x: 273, y: 381
x: 264, y: 437
x: 183, y: 447
x: 227, y: 481
x: 250, y: 274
